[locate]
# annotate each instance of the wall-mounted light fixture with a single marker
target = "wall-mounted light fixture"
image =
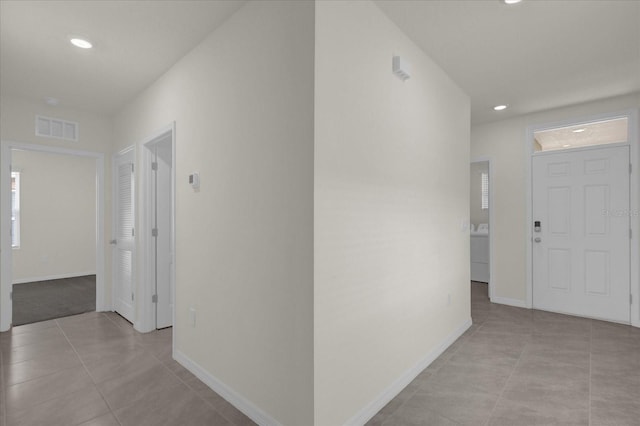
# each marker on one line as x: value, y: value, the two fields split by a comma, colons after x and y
x: 401, y: 68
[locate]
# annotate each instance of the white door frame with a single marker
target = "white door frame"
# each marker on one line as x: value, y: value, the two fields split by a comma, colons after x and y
x: 633, y: 116
x: 6, y: 255
x: 147, y: 274
x: 489, y: 160
x: 114, y: 229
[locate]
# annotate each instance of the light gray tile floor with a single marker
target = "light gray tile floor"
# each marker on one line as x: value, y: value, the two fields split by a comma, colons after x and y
x: 512, y: 367
x: 521, y: 367
x: 94, y: 369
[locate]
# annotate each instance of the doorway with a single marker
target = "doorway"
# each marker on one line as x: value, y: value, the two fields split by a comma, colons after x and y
x: 53, y: 235
x: 581, y: 219
x: 7, y: 240
x: 159, y: 211
x: 480, y: 206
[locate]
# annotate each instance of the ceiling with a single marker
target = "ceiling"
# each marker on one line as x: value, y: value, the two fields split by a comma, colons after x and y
x: 135, y: 42
x: 534, y: 56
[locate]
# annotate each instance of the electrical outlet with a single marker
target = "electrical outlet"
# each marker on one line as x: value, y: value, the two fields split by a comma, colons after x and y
x: 192, y: 316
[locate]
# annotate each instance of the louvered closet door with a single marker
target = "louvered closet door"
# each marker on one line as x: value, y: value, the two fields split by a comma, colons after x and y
x: 124, y: 244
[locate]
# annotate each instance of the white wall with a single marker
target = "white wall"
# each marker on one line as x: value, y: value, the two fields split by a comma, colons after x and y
x: 242, y: 102
x: 17, y: 116
x: 478, y: 215
x: 391, y: 193
x: 504, y: 142
x: 57, y: 216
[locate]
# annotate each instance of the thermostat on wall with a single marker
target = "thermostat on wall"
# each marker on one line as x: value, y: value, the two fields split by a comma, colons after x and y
x: 194, y: 180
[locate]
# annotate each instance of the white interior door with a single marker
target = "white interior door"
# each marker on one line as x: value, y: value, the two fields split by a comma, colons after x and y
x: 163, y: 212
x: 124, y: 241
x: 581, y: 253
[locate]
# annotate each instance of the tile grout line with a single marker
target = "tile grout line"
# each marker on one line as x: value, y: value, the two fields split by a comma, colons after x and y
x: 140, y: 345
x: 454, y: 352
x: 112, y: 321
x: 504, y: 388
x: 153, y: 355
x: 57, y: 324
x: 38, y: 378
x: 193, y: 390
x: 384, y: 422
x: 95, y: 385
x: 388, y: 417
x: 178, y: 377
x: 33, y: 378
x: 555, y: 329
x: 431, y: 375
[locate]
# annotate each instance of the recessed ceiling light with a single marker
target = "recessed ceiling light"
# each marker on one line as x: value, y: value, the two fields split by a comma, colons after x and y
x: 81, y: 43
x: 578, y: 130
x: 500, y: 107
x: 511, y: 1
x: 566, y: 145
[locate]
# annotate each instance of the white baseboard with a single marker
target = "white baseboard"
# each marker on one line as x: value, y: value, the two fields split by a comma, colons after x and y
x: 511, y: 302
x: 237, y: 400
x: 53, y: 277
x: 371, y: 409
x: 362, y: 417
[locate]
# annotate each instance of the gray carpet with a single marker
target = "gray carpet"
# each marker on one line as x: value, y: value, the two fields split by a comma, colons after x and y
x: 44, y: 300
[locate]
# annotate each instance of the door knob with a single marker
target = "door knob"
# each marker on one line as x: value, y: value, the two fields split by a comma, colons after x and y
x: 113, y: 242
x: 537, y: 239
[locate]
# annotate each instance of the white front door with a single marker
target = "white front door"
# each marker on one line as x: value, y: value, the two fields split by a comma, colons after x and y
x: 581, y: 248
x: 124, y: 232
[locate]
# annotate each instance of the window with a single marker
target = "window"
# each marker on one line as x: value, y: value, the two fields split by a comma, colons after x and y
x: 579, y: 135
x: 15, y: 209
x: 485, y: 191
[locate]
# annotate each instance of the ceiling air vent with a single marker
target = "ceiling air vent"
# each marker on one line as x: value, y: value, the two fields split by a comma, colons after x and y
x: 56, y: 128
